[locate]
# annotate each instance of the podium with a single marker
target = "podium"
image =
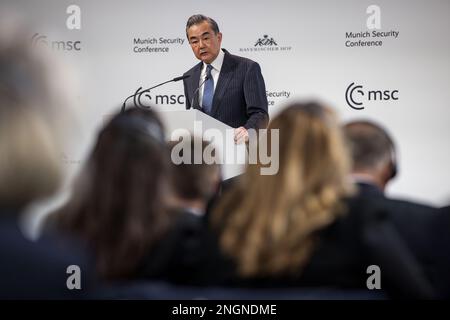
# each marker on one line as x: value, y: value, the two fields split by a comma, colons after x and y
x: 232, y: 157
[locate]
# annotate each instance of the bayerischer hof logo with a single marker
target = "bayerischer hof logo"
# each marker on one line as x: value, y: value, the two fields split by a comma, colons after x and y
x: 265, y: 43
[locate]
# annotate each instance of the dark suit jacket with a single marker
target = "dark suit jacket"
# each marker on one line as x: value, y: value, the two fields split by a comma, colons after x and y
x: 37, y: 269
x: 422, y: 227
x: 441, y: 250
x: 239, y: 96
x: 367, y: 235
x: 188, y: 254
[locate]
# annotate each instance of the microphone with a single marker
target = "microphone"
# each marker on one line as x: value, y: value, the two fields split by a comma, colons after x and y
x: 196, y: 91
x: 138, y: 92
x: 181, y: 78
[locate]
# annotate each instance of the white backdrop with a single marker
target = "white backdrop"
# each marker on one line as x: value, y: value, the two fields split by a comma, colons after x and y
x: 307, y: 58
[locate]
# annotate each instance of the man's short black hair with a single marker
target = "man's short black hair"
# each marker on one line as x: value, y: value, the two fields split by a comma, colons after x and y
x: 370, y: 144
x: 194, y: 180
x: 199, y: 18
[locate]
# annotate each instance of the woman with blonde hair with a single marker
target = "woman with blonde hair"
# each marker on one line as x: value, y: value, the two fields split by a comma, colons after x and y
x: 299, y: 226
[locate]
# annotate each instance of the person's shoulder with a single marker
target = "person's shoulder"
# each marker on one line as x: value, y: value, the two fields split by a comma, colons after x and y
x: 363, y: 209
x: 38, y: 269
x: 239, y: 59
x: 193, y: 69
x: 409, y: 207
x: 367, y: 191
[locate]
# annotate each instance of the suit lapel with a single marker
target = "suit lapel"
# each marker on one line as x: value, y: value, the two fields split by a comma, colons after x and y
x: 195, y: 80
x: 226, y: 73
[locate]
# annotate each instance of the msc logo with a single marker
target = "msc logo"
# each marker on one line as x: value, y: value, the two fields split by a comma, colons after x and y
x: 38, y: 40
x: 58, y: 45
x: 356, y: 96
x: 143, y: 99
x: 164, y: 99
x: 265, y: 41
x: 73, y: 22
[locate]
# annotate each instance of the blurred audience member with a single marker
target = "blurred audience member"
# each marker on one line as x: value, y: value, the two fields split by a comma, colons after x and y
x: 193, y: 184
x: 30, y: 170
x: 374, y: 166
x: 117, y: 206
x: 194, y: 180
x: 299, y: 227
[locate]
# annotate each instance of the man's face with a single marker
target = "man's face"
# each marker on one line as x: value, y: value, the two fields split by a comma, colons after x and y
x: 204, y: 42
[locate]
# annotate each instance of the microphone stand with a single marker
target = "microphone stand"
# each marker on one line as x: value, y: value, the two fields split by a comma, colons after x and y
x: 137, y: 95
x: 196, y: 92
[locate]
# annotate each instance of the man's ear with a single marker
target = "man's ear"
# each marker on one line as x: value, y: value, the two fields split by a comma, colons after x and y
x: 219, y: 36
x: 386, y: 173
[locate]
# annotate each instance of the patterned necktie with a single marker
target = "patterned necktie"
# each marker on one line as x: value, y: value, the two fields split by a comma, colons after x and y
x: 208, y: 92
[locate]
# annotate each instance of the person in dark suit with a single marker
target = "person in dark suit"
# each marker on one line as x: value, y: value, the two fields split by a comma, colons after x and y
x: 192, y: 185
x: 229, y: 88
x: 374, y: 166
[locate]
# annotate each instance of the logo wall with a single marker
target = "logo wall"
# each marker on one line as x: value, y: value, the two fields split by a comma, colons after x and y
x: 357, y: 97
x: 73, y: 22
x: 144, y: 99
x: 373, y: 36
x: 275, y: 97
x: 156, y: 44
x: 265, y: 44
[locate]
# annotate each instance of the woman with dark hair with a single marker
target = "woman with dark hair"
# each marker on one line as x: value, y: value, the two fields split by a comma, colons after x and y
x: 117, y: 206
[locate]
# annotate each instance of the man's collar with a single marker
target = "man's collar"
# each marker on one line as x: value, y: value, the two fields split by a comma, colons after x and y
x: 218, y: 62
x: 195, y: 211
x: 365, y: 180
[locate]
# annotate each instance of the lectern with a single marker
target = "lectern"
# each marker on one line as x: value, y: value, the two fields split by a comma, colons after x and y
x: 233, y: 158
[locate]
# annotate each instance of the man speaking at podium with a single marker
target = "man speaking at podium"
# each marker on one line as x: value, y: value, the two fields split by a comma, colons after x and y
x: 229, y: 88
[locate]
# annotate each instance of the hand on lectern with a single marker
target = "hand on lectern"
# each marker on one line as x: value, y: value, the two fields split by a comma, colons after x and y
x: 240, y: 135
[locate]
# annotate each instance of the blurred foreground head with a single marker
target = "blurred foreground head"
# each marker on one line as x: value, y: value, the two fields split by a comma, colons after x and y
x: 373, y: 152
x: 117, y: 206
x: 267, y: 223
x: 193, y: 183
x: 30, y: 110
